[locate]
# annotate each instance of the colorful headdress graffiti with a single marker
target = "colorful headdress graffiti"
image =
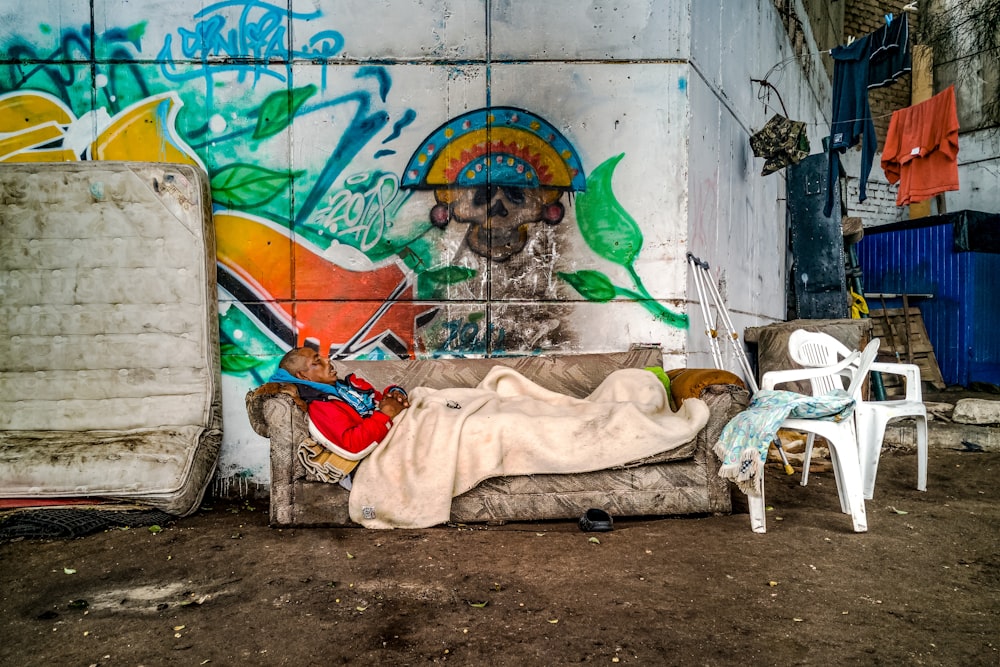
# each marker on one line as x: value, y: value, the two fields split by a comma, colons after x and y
x: 502, y: 146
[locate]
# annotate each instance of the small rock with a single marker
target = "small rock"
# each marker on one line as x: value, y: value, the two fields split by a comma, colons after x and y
x: 976, y: 411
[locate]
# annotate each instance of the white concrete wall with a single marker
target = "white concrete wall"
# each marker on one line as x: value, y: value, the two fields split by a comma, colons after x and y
x: 306, y: 115
x: 737, y: 216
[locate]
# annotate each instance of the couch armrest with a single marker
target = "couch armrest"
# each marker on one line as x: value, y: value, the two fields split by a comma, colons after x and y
x: 286, y: 426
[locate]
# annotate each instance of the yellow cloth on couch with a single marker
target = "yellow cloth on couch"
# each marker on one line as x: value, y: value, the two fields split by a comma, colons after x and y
x: 323, y: 463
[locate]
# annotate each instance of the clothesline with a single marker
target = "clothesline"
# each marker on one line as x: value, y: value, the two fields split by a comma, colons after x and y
x: 820, y: 123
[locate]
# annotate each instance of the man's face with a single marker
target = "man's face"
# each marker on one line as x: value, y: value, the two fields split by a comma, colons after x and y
x: 315, y: 368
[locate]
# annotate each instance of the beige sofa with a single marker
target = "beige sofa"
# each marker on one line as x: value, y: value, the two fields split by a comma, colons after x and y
x: 682, y: 482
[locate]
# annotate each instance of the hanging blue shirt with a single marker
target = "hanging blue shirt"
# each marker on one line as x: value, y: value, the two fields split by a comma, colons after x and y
x: 852, y: 117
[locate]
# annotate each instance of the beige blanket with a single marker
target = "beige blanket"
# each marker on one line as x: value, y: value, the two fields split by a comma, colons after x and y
x: 450, y: 440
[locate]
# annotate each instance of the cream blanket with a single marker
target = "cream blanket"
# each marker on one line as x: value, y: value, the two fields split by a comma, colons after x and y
x: 450, y: 440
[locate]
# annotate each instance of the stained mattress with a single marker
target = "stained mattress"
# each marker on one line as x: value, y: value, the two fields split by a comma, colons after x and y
x: 109, y: 352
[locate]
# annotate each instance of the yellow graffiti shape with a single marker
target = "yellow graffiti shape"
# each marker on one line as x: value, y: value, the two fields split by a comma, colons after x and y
x: 549, y: 165
x: 29, y: 120
x: 145, y: 132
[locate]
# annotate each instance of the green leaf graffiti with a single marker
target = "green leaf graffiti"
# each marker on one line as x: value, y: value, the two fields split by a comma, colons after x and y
x: 247, y: 185
x: 279, y: 109
x: 592, y: 285
x: 614, y: 235
x: 607, y: 227
x: 430, y: 283
x: 235, y: 360
x: 449, y: 275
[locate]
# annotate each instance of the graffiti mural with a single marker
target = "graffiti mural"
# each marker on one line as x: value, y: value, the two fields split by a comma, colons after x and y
x: 614, y: 235
x: 499, y: 171
x: 347, y: 217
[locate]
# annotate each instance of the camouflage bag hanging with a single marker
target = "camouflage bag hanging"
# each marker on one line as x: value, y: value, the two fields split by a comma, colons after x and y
x: 782, y: 142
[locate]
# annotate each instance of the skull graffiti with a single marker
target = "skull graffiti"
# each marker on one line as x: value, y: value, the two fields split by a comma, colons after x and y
x: 499, y: 216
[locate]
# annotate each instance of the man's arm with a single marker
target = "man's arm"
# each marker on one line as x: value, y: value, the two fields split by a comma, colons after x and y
x: 343, y: 426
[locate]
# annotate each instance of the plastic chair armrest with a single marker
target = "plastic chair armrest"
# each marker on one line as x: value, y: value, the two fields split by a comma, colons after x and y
x: 911, y: 372
x: 772, y: 378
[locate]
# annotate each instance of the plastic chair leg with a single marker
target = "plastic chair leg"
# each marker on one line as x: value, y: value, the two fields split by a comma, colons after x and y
x: 870, y: 450
x: 807, y: 457
x: 921, y: 422
x: 848, y: 470
x: 758, y: 523
x: 838, y: 478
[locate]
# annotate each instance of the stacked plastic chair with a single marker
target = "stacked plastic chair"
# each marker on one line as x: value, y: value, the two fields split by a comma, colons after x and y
x: 841, y: 435
x: 814, y: 349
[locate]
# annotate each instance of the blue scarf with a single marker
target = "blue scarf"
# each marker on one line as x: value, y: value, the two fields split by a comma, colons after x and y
x: 360, y: 399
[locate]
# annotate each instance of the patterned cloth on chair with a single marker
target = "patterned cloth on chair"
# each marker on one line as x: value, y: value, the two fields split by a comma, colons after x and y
x: 746, y: 438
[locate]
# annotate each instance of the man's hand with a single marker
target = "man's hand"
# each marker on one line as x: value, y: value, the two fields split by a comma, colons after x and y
x: 393, y: 403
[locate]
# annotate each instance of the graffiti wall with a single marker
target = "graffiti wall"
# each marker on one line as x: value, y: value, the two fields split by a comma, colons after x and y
x: 391, y: 179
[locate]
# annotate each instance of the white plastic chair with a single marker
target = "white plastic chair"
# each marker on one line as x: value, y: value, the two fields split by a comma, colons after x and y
x: 814, y: 349
x: 841, y: 435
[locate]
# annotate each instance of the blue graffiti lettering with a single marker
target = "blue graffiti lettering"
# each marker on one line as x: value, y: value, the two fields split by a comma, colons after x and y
x: 258, y: 41
x: 468, y: 338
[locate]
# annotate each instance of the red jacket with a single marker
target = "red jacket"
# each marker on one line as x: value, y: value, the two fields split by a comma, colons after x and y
x: 342, y: 425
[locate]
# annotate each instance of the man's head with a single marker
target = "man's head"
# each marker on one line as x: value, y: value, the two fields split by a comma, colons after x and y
x: 306, y: 363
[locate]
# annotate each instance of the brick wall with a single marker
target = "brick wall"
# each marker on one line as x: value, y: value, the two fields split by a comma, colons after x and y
x: 879, y: 208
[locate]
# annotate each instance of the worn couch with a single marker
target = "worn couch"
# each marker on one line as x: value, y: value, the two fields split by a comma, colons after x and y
x: 684, y: 481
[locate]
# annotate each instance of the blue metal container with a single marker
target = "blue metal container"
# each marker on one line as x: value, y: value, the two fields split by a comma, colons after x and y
x: 955, y: 258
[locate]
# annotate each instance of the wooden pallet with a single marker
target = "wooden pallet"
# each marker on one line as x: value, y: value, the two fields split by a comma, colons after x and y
x: 904, y: 340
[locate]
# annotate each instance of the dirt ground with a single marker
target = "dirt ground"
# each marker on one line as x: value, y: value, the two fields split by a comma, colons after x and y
x: 922, y: 587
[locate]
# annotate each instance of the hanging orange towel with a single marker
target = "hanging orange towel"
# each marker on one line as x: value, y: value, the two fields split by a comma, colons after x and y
x: 921, y: 149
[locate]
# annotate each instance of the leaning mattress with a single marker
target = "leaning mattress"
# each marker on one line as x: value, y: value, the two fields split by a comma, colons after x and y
x: 109, y: 350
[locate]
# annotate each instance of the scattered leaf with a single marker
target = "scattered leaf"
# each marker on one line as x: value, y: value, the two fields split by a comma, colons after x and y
x: 360, y: 608
x: 349, y: 555
x: 594, y: 540
x: 772, y: 584
x: 478, y: 605
x: 553, y: 620
x: 155, y: 529
x: 178, y: 628
x: 797, y: 620
x: 69, y: 570
x: 897, y: 511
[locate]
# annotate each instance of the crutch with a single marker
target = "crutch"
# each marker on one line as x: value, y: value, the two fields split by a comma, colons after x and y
x: 705, y: 286
x: 699, y: 286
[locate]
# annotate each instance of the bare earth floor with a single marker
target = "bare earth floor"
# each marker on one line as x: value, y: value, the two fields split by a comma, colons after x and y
x: 922, y: 587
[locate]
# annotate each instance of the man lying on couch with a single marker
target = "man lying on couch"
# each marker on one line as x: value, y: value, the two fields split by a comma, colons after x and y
x: 450, y: 440
x: 344, y: 415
